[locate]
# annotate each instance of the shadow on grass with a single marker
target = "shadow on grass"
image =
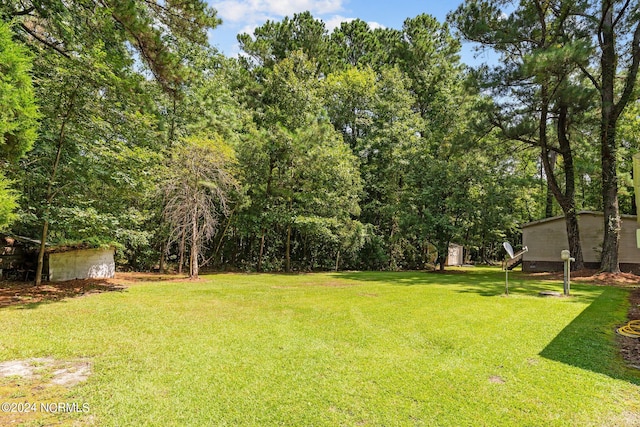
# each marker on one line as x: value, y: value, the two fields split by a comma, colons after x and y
x: 588, y: 341
x: 25, y: 296
x: 482, y: 281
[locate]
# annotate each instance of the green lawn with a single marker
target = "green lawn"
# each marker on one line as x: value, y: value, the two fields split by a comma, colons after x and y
x: 352, y: 349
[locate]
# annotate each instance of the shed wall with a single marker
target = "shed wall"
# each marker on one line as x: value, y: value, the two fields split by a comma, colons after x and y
x: 455, y: 255
x: 81, y: 264
x: 546, y: 239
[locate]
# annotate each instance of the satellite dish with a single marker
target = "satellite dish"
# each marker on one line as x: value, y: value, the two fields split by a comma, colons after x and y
x: 508, y: 248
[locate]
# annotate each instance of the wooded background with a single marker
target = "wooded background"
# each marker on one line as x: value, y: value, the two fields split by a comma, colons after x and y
x: 355, y: 149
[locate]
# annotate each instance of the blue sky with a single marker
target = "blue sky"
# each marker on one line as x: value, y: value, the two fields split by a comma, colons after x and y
x: 245, y: 15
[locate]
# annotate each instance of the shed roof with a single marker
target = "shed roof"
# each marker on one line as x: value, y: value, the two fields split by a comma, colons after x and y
x: 561, y: 217
x: 77, y: 247
x: 51, y: 248
x: 11, y: 238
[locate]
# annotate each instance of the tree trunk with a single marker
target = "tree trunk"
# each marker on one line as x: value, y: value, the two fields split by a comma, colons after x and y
x: 50, y: 193
x: 193, y: 271
x: 43, y: 241
x: 548, y: 213
x: 443, y: 254
x: 610, y: 113
x: 442, y: 260
x: 610, y: 244
x: 425, y: 255
x: 181, y: 261
x: 288, y: 250
x: 573, y: 234
x: 267, y: 197
x: 393, y: 265
x: 163, y: 250
x: 565, y: 199
x: 568, y: 199
x: 259, y: 269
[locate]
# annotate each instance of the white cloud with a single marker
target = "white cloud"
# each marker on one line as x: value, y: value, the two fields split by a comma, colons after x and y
x: 335, y: 21
x: 249, y: 28
x: 374, y: 25
x: 289, y: 7
x: 244, y: 16
x: 231, y: 10
x: 255, y: 10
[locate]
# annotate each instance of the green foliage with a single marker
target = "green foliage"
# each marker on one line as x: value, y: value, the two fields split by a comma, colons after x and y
x: 74, y: 29
x: 98, y: 124
x: 543, y: 99
x: 18, y: 112
x: 18, y: 115
x: 348, y: 97
x: 629, y: 145
x: 305, y: 179
x: 353, y: 44
x: 357, y: 149
x: 276, y: 41
x: 8, y: 202
x: 91, y: 173
x: 404, y: 107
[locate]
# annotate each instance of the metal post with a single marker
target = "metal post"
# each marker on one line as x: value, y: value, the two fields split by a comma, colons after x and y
x: 565, y: 255
x: 506, y: 280
x: 567, y: 279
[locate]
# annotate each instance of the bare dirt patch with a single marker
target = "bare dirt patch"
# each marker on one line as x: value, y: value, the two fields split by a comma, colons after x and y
x: 593, y: 277
x: 130, y: 278
x: 496, y: 379
x: 334, y: 284
x: 66, y: 373
x: 24, y: 293
x: 23, y: 368
x: 28, y: 387
x: 364, y: 294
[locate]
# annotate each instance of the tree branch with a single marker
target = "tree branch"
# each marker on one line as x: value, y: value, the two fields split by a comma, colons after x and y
x: 45, y: 42
x: 23, y: 12
x: 632, y: 74
x: 589, y: 76
x: 621, y: 14
x: 601, y: 22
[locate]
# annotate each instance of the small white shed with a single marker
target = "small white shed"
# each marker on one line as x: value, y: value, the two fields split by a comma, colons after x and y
x: 73, y: 263
x: 456, y: 255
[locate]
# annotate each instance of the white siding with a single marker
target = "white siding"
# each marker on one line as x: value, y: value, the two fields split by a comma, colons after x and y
x: 455, y: 255
x: 81, y: 264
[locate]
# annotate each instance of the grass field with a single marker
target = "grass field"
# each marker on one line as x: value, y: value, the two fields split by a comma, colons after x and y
x: 352, y: 349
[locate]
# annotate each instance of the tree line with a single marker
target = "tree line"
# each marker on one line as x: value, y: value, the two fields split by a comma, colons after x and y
x: 357, y: 148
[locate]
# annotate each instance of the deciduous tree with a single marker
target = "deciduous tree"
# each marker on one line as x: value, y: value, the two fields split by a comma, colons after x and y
x: 198, y: 191
x: 18, y: 115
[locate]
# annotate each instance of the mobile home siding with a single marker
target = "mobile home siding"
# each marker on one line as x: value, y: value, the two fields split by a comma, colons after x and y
x: 546, y: 238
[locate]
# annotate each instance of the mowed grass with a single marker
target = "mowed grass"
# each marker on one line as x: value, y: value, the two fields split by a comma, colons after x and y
x: 351, y: 349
